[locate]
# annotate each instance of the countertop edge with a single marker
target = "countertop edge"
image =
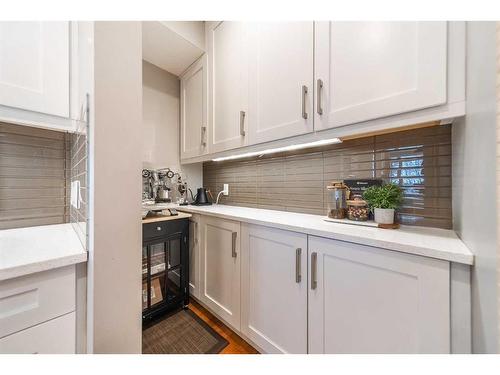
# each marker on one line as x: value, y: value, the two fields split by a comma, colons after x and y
x: 41, y: 266
x: 467, y: 259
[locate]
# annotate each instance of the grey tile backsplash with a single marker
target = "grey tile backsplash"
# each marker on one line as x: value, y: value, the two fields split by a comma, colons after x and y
x: 418, y: 160
x: 78, y: 171
x: 33, y: 176
x: 36, y: 168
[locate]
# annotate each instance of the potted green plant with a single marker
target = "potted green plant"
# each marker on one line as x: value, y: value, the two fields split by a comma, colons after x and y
x: 383, y: 200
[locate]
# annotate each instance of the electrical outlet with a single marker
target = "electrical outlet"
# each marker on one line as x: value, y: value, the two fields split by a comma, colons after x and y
x: 225, y: 190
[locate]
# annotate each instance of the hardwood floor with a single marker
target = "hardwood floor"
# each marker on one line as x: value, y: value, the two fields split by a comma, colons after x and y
x: 236, y: 344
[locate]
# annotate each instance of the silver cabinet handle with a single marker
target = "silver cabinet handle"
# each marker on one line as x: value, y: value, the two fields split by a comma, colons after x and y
x: 318, y: 96
x: 233, y: 250
x: 203, y: 136
x: 158, y: 228
x: 304, y: 94
x: 242, y: 123
x: 314, y: 266
x: 298, y: 276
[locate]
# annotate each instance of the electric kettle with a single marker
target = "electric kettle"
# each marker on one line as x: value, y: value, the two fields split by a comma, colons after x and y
x: 201, y: 197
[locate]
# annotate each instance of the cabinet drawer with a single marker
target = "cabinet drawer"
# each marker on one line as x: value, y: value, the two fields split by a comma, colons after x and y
x: 33, y: 299
x: 153, y: 230
x: 56, y: 336
x: 164, y: 228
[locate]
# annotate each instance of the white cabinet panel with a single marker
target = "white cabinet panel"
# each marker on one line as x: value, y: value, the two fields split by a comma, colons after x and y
x: 280, y: 65
x: 369, y: 300
x: 29, y: 300
x: 274, y: 289
x: 194, y: 256
x: 82, y: 61
x: 228, y: 80
x: 56, y: 336
x: 34, y: 66
x: 220, y: 272
x: 194, y: 110
x: 371, y: 70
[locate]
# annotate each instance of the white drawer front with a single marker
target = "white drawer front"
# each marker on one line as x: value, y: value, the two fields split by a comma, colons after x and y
x: 33, y: 299
x: 56, y: 336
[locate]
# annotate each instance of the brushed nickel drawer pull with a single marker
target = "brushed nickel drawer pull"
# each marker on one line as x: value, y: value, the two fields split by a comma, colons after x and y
x: 314, y: 266
x: 304, y: 94
x: 242, y: 123
x: 233, y: 249
x: 319, y: 88
x: 203, y: 136
x: 298, y: 276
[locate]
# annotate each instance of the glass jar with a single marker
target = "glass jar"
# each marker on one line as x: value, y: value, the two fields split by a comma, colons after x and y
x: 337, y: 200
x: 357, y: 209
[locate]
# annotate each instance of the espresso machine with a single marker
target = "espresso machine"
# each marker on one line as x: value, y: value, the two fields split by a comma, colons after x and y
x: 163, y: 186
x: 156, y: 186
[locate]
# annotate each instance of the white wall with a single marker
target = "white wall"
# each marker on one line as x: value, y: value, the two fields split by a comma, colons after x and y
x: 192, y: 31
x: 115, y: 258
x: 161, y: 121
x: 498, y: 175
x: 474, y: 185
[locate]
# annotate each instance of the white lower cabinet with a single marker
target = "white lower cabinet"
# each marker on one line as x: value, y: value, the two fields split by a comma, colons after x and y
x: 274, y: 288
x: 307, y: 294
x: 37, y: 312
x: 194, y: 256
x: 220, y: 268
x: 369, y: 300
x: 56, y: 336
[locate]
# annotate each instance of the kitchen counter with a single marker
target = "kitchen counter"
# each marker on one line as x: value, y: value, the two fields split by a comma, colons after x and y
x: 431, y: 242
x: 157, y: 218
x: 25, y: 251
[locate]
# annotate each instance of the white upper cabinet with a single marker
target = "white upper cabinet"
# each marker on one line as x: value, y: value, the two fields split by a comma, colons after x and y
x: 369, y: 70
x: 35, y: 67
x: 82, y: 60
x: 194, y: 110
x: 228, y: 81
x: 368, y: 300
x: 280, y: 99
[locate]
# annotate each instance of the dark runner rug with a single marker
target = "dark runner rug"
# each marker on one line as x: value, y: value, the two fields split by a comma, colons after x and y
x: 181, y: 333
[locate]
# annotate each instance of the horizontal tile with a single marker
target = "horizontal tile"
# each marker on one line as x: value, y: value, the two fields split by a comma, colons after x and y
x: 419, y: 160
x: 35, y: 171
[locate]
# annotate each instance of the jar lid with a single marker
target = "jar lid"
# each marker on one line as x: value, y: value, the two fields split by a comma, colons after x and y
x: 336, y: 185
x: 356, y: 202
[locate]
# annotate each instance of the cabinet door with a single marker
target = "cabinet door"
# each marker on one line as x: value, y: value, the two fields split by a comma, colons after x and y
x: 56, y: 336
x: 370, y: 70
x: 194, y: 256
x: 274, y: 289
x: 82, y: 45
x: 194, y: 110
x: 34, y: 66
x: 280, y: 99
x: 228, y: 80
x: 369, y: 300
x: 220, y: 273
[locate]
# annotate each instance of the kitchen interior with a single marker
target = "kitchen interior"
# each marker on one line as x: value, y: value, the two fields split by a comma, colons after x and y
x: 312, y: 187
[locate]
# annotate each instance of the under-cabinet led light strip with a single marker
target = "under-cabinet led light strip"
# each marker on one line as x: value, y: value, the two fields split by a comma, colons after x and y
x: 322, y: 142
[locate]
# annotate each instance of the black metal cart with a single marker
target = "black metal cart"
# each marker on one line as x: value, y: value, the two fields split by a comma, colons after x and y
x: 165, y: 267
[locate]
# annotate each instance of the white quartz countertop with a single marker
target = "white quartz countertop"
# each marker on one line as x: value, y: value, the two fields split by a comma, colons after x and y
x: 25, y: 251
x: 431, y: 242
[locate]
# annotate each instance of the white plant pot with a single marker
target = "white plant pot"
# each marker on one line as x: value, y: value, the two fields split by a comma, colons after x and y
x: 384, y: 215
